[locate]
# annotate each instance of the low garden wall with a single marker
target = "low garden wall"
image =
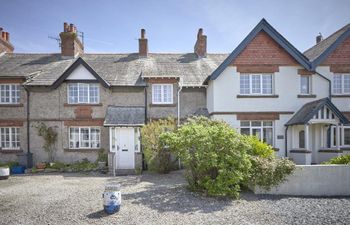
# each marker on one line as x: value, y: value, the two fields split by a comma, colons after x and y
x: 314, y: 180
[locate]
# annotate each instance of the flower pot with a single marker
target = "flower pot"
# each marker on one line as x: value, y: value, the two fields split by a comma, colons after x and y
x: 4, y: 173
x: 17, y: 169
x: 41, y: 165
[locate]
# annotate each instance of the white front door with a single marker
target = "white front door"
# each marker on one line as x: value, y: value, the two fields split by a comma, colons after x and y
x: 125, y: 148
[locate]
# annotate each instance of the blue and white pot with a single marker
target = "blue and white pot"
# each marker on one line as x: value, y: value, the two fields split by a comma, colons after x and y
x: 112, y: 198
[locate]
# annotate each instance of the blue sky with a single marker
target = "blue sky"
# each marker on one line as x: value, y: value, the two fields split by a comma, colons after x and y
x: 171, y: 26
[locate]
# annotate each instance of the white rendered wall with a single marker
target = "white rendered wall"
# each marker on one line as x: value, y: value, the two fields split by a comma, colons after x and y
x: 81, y: 73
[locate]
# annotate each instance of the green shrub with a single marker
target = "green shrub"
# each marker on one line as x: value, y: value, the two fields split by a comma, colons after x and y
x: 9, y: 164
x: 102, y: 156
x: 83, y: 165
x: 158, y: 158
x: 269, y: 172
x: 215, y: 156
x: 57, y: 165
x: 258, y: 148
x: 344, y: 159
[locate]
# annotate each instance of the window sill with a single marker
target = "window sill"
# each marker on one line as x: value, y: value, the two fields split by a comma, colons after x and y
x: 330, y: 151
x: 11, y: 151
x: 82, y: 149
x: 82, y: 104
x: 300, y: 151
x: 276, y: 149
x: 11, y: 105
x: 341, y: 96
x: 257, y: 96
x: 307, y: 96
x: 162, y: 105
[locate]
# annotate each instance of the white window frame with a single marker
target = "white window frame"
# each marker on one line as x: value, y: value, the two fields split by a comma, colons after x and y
x: 88, y: 97
x: 80, y: 139
x: 162, y: 98
x: 342, y: 136
x: 18, y: 91
x: 261, y: 128
x: 342, y: 78
x: 261, y: 75
x: 309, y: 78
x: 12, y: 146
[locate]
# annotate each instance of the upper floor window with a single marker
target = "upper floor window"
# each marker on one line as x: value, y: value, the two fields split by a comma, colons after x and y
x: 9, y: 138
x: 9, y: 93
x: 82, y: 93
x: 341, y: 84
x: 261, y: 129
x: 162, y: 93
x: 305, y: 85
x: 256, y: 84
x: 84, y: 137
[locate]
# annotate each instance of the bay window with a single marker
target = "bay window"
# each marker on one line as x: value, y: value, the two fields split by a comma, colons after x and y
x: 9, y: 93
x: 263, y: 130
x: 341, y: 84
x: 256, y: 84
x: 9, y: 138
x: 162, y: 93
x: 83, y: 93
x: 84, y: 137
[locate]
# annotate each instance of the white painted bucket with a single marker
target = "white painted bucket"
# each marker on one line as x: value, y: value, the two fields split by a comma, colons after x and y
x: 4, y: 173
x: 112, y: 198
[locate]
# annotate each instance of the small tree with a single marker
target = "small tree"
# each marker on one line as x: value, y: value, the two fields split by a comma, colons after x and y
x: 157, y: 157
x: 214, y: 155
x: 49, y: 135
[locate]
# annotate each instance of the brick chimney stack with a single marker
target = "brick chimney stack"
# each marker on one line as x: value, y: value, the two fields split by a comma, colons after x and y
x: 200, y: 48
x: 143, y: 44
x: 319, y: 38
x: 71, y: 46
x: 5, y: 45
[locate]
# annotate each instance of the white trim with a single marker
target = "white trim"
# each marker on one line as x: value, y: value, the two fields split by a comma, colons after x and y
x: 10, y: 93
x: 18, y: 133
x: 261, y: 128
x: 79, y: 137
x: 162, y: 98
x: 89, y: 85
x: 342, y: 88
x: 261, y: 75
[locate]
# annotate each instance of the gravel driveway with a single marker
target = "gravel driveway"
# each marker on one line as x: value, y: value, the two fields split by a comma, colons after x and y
x: 152, y: 199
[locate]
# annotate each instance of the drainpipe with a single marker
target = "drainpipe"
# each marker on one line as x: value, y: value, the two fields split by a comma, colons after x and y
x: 178, y: 104
x: 29, y: 154
x: 145, y: 89
x: 329, y: 84
x: 286, y: 141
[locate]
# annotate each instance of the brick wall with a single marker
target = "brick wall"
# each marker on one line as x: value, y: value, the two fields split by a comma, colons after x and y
x: 263, y: 50
x: 339, y: 59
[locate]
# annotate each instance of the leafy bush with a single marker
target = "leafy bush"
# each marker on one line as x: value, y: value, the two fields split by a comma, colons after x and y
x: 102, y: 156
x: 258, y: 148
x: 9, y: 164
x: 214, y: 155
x: 157, y: 157
x: 58, y: 165
x: 269, y: 172
x: 83, y: 165
x: 344, y: 159
x: 49, y: 134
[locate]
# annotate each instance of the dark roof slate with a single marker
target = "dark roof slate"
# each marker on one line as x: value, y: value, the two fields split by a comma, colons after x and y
x: 307, y: 111
x: 115, y: 69
x: 127, y: 116
x: 320, y: 51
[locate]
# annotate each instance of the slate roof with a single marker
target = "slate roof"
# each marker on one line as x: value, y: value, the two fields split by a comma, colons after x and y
x: 327, y: 45
x: 116, y: 69
x: 127, y: 116
x: 307, y: 111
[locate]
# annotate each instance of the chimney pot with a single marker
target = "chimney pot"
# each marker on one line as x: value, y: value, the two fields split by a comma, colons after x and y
x: 319, y: 38
x: 7, y: 37
x: 143, y: 44
x: 65, y: 27
x: 71, y: 46
x: 143, y: 33
x: 200, y: 48
x: 3, y: 35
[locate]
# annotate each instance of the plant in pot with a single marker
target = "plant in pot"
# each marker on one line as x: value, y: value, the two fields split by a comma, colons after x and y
x: 49, y: 134
x: 102, y: 159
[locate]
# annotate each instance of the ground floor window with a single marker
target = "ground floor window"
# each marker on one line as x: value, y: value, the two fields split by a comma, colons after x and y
x: 344, y: 136
x: 84, y: 137
x: 9, y: 137
x: 262, y: 129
